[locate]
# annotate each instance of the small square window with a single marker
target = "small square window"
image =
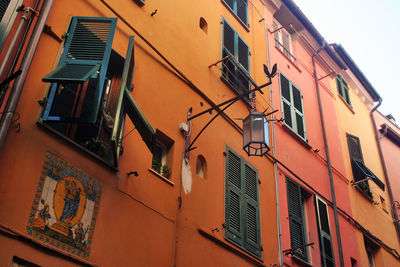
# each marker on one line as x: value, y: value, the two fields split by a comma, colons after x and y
x: 162, y: 154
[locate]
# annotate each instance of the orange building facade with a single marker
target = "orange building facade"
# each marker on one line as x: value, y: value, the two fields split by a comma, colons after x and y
x: 93, y: 163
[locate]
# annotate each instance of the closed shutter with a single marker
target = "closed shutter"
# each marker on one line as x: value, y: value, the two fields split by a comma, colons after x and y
x: 296, y: 219
x: 229, y: 38
x: 127, y: 105
x: 242, y: 204
x: 286, y: 100
x: 86, y: 55
x: 243, y: 53
x: 233, y: 207
x: 354, y: 148
x: 242, y: 10
x: 8, y: 13
x: 327, y: 258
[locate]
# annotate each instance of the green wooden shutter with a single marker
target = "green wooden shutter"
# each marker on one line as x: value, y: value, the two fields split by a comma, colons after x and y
x: 233, y: 206
x: 296, y: 219
x: 252, y: 240
x: 286, y: 100
x: 242, y: 10
x: 86, y: 54
x: 298, y: 111
x: 8, y: 13
x: 327, y: 259
x: 127, y: 105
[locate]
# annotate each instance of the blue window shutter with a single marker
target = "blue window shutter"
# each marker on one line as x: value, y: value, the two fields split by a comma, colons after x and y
x: 86, y: 54
x: 127, y: 105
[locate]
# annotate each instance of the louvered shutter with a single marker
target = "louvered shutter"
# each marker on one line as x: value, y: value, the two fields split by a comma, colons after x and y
x: 86, y: 54
x: 296, y: 219
x: 8, y: 13
x: 233, y: 206
x: 327, y: 258
x: 229, y: 38
x: 286, y: 100
x: 252, y: 217
x: 243, y: 53
x: 354, y: 148
x: 298, y: 111
x: 127, y: 105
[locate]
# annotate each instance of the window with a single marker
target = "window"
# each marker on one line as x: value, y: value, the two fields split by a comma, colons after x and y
x: 360, y: 171
x: 239, y: 7
x: 201, y: 167
x: 297, y: 224
x: 8, y: 13
x: 325, y: 243
x: 162, y: 156
x: 292, y: 106
x: 235, y: 69
x: 283, y: 41
x: 343, y: 89
x: 90, y: 91
x: 242, y: 214
x: 371, y: 248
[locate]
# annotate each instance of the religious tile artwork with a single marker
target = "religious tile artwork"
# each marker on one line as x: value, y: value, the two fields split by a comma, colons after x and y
x: 65, y: 207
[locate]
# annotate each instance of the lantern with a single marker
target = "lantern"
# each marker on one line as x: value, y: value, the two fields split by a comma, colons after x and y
x: 255, y: 134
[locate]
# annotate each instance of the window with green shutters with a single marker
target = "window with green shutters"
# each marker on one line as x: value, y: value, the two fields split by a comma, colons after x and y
x: 242, y: 215
x: 8, y: 13
x: 90, y: 91
x: 236, y: 68
x: 292, y: 107
x: 239, y: 7
x: 343, y: 89
x: 325, y: 244
x: 295, y: 198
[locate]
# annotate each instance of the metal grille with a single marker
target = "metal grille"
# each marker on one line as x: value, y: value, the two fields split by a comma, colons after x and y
x: 251, y: 183
x: 3, y: 7
x: 89, y: 40
x: 234, y: 170
x: 251, y: 221
x: 234, y: 211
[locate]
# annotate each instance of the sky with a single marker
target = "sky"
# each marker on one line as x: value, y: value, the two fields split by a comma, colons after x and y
x: 369, y: 30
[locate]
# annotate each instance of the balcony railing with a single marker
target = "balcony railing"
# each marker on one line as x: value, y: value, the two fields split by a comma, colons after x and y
x: 285, y: 51
x: 236, y: 77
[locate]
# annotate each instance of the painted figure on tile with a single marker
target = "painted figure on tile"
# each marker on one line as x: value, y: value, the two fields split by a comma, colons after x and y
x: 42, y: 217
x: 72, y: 198
x: 79, y: 233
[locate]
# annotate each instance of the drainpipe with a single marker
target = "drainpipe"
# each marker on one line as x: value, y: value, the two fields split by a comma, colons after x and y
x: 18, y: 86
x: 328, y: 158
x: 278, y: 212
x: 385, y: 173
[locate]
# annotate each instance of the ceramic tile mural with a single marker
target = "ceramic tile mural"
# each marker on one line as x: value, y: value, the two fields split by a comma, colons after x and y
x: 65, y: 207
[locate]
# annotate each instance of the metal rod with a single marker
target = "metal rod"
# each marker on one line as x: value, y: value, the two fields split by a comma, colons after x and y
x: 361, y: 181
x: 228, y: 56
x: 258, y: 88
x: 295, y: 248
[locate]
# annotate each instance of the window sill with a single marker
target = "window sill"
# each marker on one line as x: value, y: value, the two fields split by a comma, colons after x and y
x: 246, y: 27
x: 288, y: 59
x: 77, y: 146
x: 162, y: 177
x: 232, y: 248
x: 296, y: 136
x: 347, y: 104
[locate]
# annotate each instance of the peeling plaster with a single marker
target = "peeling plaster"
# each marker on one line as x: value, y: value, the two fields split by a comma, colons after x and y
x: 186, y: 177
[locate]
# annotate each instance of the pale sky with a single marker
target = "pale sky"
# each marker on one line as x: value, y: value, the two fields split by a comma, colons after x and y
x: 369, y: 30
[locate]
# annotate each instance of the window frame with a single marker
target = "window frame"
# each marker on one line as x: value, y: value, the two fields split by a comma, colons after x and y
x: 7, y: 21
x: 241, y: 238
x: 343, y: 89
x: 234, y: 10
x: 293, y: 110
x: 278, y: 37
x: 323, y: 234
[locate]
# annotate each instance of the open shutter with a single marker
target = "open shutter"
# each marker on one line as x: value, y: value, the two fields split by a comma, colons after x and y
x: 286, y: 100
x: 127, y: 105
x: 296, y: 221
x: 327, y: 259
x: 86, y: 54
x: 233, y: 208
x: 252, y: 241
x: 298, y: 111
x: 8, y: 13
x: 242, y: 10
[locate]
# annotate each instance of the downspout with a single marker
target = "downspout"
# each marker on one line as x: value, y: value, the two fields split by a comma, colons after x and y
x: 385, y: 173
x: 328, y: 158
x: 18, y: 86
x: 278, y: 212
